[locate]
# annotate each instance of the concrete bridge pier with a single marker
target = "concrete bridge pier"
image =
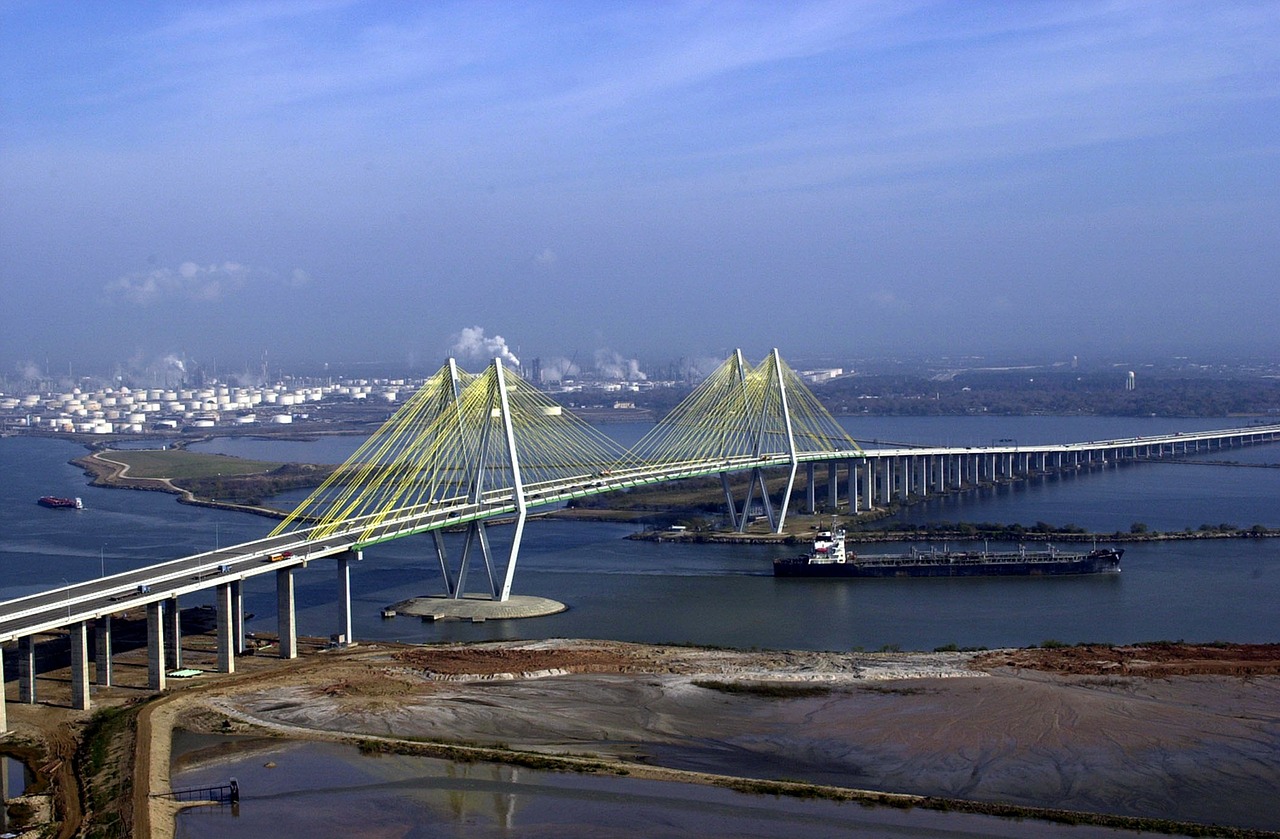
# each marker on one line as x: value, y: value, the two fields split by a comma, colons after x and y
x: 869, y: 484
x: 226, y: 628
x: 102, y: 651
x: 344, y: 595
x: 173, y: 638
x: 4, y: 726
x: 155, y: 645
x: 811, y: 495
x: 833, y: 486
x: 237, y: 615
x: 79, y: 633
x: 852, y: 489
x: 27, y: 670
x: 879, y: 481
x: 286, y: 616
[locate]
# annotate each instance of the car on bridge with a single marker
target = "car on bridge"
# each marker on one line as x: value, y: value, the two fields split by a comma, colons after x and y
x: 280, y: 556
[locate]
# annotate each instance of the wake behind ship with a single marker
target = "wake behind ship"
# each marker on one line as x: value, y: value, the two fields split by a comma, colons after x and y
x: 829, y: 558
x: 56, y: 503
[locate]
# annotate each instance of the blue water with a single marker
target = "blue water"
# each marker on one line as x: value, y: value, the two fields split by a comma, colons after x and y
x: 720, y: 594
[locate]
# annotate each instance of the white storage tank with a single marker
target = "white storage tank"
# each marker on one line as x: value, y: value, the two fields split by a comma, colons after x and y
x: 282, y: 419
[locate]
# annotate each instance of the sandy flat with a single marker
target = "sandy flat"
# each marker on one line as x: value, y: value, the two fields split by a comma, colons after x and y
x: 1200, y: 748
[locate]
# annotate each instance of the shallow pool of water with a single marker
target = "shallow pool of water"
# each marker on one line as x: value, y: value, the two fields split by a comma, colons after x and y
x: 303, y: 790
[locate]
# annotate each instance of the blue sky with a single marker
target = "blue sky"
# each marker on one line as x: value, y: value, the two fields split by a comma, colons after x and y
x: 354, y: 181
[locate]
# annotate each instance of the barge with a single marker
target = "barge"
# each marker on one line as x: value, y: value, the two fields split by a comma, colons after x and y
x: 829, y: 558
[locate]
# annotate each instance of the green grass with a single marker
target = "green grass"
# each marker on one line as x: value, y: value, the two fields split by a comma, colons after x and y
x: 179, y: 464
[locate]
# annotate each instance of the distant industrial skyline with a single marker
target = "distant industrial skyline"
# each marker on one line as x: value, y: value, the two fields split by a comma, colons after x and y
x: 355, y: 181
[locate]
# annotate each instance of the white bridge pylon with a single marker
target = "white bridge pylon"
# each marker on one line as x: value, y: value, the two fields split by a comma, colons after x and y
x: 466, y: 448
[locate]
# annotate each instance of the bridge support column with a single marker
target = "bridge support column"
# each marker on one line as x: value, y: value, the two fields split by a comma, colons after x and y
x: 79, y: 633
x: 4, y: 726
x: 237, y: 615
x: 729, y: 503
x: 903, y: 470
x: 868, y: 483
x: 851, y: 467
x: 102, y: 651
x: 27, y: 670
x: 226, y: 628
x: 173, y: 638
x: 812, y: 496
x: 833, y: 486
x: 344, y: 596
x: 155, y: 645
x: 286, y: 617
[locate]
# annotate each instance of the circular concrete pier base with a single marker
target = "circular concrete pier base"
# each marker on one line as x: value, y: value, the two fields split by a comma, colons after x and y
x: 477, y: 608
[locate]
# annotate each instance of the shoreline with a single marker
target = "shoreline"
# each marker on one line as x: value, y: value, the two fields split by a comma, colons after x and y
x: 577, y: 684
x: 1053, y: 733
x: 113, y: 474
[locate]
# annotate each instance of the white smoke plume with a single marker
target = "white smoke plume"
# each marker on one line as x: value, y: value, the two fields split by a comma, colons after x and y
x: 172, y: 361
x: 473, y: 343
x: 558, y: 369
x: 611, y: 365
x: 28, y: 370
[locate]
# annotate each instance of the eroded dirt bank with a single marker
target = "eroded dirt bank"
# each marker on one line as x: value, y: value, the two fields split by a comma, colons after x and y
x: 1088, y: 729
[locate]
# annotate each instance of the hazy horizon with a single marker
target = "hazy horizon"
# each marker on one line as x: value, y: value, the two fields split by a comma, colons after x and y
x: 352, y: 181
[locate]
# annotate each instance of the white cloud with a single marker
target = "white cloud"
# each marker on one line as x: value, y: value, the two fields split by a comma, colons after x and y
x: 191, y: 281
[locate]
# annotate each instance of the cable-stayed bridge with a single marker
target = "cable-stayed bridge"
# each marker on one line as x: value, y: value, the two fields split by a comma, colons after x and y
x: 468, y: 449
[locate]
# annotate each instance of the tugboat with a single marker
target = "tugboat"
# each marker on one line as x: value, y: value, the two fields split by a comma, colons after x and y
x: 55, y: 503
x: 830, y: 559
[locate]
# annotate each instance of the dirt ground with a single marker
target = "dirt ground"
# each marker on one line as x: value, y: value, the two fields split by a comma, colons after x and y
x: 1091, y: 729
x: 1188, y: 732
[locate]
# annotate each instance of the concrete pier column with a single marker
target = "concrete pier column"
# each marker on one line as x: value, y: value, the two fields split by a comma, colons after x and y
x: 869, y: 484
x: 79, y: 633
x: 226, y: 629
x: 344, y: 597
x: 155, y: 645
x: 286, y: 617
x: 27, y: 670
x: 812, y: 495
x: 833, y: 486
x: 237, y: 615
x: 173, y: 637
x: 102, y: 651
x: 852, y: 489
x: 4, y: 726
x: 901, y: 480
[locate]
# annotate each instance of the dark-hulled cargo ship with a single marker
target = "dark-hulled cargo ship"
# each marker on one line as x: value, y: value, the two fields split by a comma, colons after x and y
x: 830, y: 559
x: 53, y: 502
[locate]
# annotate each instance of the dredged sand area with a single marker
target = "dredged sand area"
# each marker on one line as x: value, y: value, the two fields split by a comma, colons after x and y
x: 1190, y: 734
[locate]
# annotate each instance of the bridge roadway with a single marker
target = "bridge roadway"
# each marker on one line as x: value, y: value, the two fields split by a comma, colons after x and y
x: 887, y: 473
